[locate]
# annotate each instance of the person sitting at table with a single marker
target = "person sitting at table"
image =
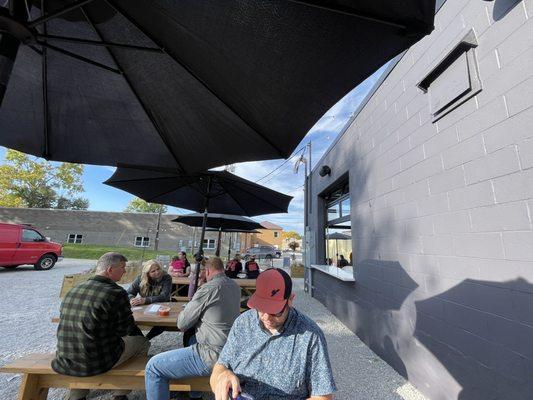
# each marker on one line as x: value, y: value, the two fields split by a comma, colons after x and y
x: 179, y: 266
x: 96, y: 328
x: 210, y: 313
x: 252, y: 268
x: 192, y: 276
x: 343, y: 262
x: 153, y: 285
x: 274, y: 351
x: 234, y: 267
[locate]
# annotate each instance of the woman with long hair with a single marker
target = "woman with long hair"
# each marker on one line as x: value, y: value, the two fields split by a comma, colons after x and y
x: 153, y: 285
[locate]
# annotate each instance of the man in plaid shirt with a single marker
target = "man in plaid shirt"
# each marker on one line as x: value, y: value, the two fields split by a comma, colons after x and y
x: 96, y: 330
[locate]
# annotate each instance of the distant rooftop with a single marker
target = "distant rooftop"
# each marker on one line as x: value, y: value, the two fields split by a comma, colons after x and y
x: 270, y: 225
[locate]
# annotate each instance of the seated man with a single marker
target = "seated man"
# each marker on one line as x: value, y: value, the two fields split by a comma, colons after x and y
x: 274, y: 351
x: 343, y: 262
x: 252, y: 268
x: 211, y: 311
x: 96, y: 329
x: 234, y: 267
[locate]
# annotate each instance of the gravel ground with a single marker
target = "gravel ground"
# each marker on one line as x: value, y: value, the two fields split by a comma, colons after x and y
x: 359, y: 373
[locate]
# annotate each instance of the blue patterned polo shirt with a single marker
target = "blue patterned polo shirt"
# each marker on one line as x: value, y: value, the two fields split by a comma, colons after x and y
x: 292, y: 364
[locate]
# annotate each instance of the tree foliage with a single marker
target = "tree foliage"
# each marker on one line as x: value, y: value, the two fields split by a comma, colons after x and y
x: 293, y: 245
x: 291, y: 235
x: 29, y: 182
x: 139, y: 205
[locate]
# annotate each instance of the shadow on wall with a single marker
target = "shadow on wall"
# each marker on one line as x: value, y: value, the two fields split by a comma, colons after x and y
x: 482, y: 333
x: 382, y: 288
x: 503, y: 7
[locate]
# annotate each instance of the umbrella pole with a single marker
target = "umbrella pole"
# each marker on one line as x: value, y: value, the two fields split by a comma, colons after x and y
x: 217, y: 252
x: 337, y: 252
x: 202, y: 235
x: 229, y: 246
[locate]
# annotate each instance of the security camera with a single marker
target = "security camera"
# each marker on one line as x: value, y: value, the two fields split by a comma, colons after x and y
x: 325, y: 170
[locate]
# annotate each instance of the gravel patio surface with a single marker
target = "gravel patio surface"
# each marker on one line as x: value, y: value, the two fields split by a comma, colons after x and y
x: 31, y: 299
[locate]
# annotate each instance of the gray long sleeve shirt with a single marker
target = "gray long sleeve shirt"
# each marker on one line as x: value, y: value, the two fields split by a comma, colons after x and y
x: 212, y: 311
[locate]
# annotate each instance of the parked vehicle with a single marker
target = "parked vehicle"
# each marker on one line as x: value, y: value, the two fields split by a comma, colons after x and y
x: 23, y: 244
x: 266, y: 252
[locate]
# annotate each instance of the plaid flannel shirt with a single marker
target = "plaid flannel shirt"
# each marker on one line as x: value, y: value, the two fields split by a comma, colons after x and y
x: 94, y: 316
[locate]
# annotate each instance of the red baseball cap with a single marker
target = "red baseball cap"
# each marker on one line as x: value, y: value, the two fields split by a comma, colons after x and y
x: 273, y: 289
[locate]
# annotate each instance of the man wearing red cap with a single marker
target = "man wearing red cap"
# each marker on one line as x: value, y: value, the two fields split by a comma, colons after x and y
x: 274, y: 351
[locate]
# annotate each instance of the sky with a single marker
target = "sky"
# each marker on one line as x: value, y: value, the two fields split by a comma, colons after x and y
x: 283, y: 179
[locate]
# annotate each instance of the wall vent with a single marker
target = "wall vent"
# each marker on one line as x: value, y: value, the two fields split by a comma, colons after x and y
x: 454, y: 79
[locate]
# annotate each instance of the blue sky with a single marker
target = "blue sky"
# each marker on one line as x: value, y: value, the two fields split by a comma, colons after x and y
x: 322, y: 134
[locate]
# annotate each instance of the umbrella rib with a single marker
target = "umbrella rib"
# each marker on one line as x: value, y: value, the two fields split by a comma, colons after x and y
x: 58, y: 13
x: 99, y: 43
x: 145, y: 108
x: 78, y: 57
x: 351, y: 14
x: 201, y: 81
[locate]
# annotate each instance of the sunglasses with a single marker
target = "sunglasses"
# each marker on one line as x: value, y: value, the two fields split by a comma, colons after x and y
x: 279, y: 314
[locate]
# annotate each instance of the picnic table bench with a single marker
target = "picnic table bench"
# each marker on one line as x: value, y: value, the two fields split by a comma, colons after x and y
x: 38, y: 377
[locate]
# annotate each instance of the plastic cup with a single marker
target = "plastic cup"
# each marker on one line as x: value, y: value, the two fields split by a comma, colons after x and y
x: 163, y: 311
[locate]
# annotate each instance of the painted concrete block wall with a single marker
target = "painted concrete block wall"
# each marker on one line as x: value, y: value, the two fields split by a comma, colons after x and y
x: 441, y: 214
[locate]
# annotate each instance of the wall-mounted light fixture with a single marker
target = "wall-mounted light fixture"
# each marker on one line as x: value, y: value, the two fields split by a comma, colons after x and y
x: 325, y: 170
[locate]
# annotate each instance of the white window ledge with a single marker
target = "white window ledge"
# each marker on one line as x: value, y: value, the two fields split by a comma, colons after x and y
x: 339, y: 273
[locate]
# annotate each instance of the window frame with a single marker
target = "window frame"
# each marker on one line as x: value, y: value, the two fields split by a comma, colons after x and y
x: 144, y: 242
x: 75, y: 237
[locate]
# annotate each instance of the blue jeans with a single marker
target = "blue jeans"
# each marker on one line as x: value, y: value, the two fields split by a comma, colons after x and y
x: 174, y: 364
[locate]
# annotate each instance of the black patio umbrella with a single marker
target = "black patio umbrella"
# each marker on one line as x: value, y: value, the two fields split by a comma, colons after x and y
x: 220, y: 223
x: 216, y: 191
x: 158, y: 83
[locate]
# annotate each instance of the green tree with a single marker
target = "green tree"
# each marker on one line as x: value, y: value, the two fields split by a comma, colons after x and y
x: 30, y: 182
x: 293, y: 245
x: 139, y: 205
x: 291, y: 235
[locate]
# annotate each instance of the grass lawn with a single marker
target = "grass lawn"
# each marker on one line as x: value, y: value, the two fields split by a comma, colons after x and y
x: 93, y: 252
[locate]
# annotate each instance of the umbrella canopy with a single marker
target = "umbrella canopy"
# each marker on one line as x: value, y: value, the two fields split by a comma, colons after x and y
x: 225, y: 192
x: 181, y: 84
x: 222, y: 222
x: 234, y: 231
x: 338, y: 236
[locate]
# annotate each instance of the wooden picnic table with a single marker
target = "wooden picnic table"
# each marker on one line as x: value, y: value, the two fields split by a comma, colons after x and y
x: 170, y: 322
x: 149, y: 320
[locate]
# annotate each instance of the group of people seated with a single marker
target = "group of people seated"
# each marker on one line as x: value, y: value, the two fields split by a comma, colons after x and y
x: 234, y: 267
x: 341, y: 262
x: 271, y: 351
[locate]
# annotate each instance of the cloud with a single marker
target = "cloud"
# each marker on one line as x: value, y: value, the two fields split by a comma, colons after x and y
x: 321, y: 135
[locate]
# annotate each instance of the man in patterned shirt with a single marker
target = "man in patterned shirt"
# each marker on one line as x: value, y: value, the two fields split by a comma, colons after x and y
x: 96, y: 330
x: 273, y: 351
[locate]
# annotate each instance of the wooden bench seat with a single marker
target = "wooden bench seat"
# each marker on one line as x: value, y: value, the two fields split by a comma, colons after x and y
x: 38, y: 377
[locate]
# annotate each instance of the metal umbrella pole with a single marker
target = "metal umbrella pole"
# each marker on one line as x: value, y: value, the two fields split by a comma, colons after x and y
x: 200, y: 253
x: 229, y: 247
x: 217, y: 251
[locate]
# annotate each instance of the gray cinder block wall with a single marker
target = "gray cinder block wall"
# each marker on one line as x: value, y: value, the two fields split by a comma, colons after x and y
x: 441, y: 209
